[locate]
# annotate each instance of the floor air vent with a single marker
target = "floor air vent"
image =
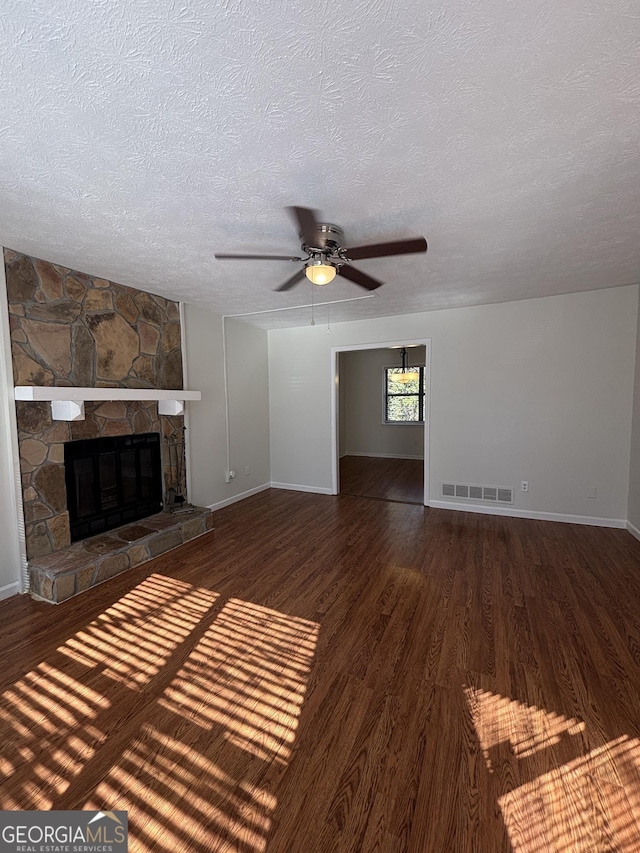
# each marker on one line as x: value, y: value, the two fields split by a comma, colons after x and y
x: 466, y: 491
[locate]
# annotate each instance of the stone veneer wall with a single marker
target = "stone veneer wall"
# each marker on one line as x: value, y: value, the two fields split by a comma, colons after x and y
x: 72, y: 329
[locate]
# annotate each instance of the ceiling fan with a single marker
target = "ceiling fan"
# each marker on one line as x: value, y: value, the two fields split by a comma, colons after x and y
x: 326, y: 255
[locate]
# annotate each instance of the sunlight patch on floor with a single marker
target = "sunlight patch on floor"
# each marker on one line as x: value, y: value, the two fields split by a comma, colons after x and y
x: 179, y: 801
x: 48, y: 717
x: 234, y: 694
x: 47, y: 735
x: 243, y: 684
x: 248, y: 674
x: 562, y: 795
x: 133, y: 639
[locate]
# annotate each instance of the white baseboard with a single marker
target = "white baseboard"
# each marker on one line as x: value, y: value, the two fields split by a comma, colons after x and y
x: 240, y: 497
x: 533, y: 514
x: 383, y: 455
x: 510, y: 512
x: 633, y: 530
x: 9, y: 589
x: 294, y: 487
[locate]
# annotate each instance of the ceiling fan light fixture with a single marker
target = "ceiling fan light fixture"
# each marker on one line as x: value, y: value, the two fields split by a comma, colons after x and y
x: 319, y: 272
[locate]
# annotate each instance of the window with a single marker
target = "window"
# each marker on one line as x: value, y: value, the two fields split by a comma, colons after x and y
x: 403, y: 401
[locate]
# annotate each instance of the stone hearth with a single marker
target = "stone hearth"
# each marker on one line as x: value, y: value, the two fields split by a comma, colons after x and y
x: 67, y: 572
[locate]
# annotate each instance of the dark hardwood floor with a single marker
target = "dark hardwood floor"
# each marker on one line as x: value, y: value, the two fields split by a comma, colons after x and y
x: 339, y: 674
x: 383, y: 479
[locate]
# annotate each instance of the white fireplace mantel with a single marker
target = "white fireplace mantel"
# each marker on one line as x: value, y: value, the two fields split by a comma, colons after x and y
x: 67, y: 403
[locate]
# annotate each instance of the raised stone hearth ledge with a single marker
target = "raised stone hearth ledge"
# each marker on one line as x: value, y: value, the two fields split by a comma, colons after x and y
x: 63, y: 574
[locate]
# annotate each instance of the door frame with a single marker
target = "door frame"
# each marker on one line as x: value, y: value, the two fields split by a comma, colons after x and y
x: 335, y: 403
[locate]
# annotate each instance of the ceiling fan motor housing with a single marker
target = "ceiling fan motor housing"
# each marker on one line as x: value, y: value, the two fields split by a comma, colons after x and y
x: 329, y: 240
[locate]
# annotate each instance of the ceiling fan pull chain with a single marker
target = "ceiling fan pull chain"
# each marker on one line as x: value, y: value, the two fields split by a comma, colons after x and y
x: 313, y: 308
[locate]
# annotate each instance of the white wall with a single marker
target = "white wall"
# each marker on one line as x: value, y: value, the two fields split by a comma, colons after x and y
x: 538, y: 390
x: 12, y: 550
x: 248, y: 407
x: 362, y: 403
x: 633, y: 513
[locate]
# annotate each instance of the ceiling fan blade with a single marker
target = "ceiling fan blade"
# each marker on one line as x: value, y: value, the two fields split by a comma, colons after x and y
x: 359, y: 277
x: 305, y: 219
x: 295, y: 278
x: 379, y: 250
x: 257, y: 257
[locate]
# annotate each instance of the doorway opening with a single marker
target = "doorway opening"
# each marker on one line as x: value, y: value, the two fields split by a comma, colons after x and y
x: 400, y: 480
x: 380, y: 432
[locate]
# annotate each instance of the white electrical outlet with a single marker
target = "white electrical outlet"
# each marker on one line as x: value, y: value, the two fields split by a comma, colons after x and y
x: 247, y: 470
x: 591, y: 492
x: 524, y: 486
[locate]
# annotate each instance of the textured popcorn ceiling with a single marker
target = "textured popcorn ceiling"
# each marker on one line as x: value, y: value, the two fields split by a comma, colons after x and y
x: 138, y: 138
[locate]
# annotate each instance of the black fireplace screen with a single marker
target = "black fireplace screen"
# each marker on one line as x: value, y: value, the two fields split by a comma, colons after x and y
x: 112, y: 481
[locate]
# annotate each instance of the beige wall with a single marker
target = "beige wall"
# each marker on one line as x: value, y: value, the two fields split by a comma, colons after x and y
x: 538, y: 390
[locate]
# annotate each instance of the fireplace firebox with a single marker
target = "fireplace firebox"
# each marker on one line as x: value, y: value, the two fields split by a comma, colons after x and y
x: 112, y: 481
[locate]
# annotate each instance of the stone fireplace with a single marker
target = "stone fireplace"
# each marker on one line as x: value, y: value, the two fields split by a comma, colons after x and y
x: 70, y: 329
